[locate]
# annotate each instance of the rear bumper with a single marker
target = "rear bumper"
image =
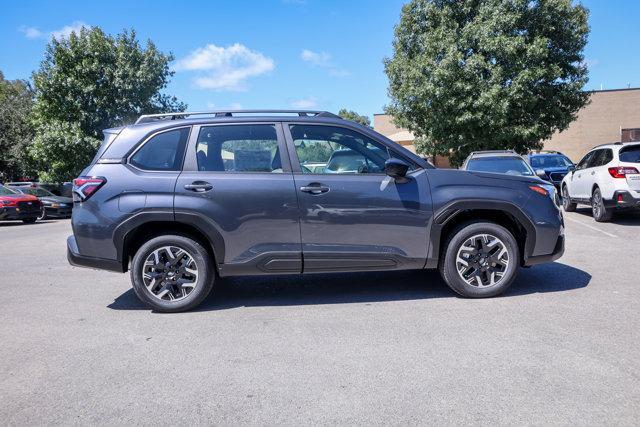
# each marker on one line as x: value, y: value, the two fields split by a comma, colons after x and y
x: 558, y: 251
x: 13, y: 213
x: 622, y: 199
x: 77, y: 260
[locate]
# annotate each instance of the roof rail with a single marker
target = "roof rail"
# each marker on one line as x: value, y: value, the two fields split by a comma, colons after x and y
x: 146, y: 118
x: 545, y: 151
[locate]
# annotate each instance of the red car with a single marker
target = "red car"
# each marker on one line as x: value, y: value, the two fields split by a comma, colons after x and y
x: 16, y: 206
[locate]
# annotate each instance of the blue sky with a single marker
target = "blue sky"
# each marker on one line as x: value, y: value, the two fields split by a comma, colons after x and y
x: 316, y: 54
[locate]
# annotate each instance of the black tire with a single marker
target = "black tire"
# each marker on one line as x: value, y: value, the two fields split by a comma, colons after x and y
x: 203, y: 281
x: 567, y: 204
x: 460, y: 236
x: 600, y: 212
x: 29, y: 220
x: 43, y: 214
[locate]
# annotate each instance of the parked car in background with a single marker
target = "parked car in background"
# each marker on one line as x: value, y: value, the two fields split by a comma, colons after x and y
x: 52, y: 205
x: 498, y: 161
x: 554, y: 164
x: 57, y: 189
x: 606, y: 178
x: 160, y: 200
x: 17, y: 206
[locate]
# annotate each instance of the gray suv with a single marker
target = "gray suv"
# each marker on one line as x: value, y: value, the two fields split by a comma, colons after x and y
x: 183, y: 198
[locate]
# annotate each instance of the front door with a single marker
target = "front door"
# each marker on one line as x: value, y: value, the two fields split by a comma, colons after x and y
x: 238, y: 188
x: 353, y: 216
x: 581, y: 180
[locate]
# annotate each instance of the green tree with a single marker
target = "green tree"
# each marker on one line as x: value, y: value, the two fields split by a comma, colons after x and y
x: 470, y: 75
x: 16, y: 101
x: 91, y: 81
x: 354, y: 117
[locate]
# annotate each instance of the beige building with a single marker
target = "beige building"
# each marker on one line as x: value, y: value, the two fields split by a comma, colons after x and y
x: 612, y: 115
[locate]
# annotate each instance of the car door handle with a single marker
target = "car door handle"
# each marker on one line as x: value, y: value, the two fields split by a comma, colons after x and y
x: 314, y: 189
x: 593, y: 173
x: 199, y: 186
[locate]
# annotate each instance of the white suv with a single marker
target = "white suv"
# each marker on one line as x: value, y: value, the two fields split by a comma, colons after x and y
x: 607, y: 178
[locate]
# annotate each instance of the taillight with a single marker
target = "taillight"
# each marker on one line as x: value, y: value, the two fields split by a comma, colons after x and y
x: 85, y: 186
x: 622, y: 171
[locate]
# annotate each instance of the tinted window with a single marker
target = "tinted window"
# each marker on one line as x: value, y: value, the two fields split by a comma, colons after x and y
x: 336, y: 150
x: 585, y: 160
x: 630, y: 154
x: 595, y: 159
x: 238, y: 148
x: 549, y: 161
x: 163, y: 152
x: 508, y: 165
x: 38, y: 192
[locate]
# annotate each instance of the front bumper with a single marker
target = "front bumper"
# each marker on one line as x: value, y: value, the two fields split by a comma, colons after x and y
x: 14, y: 213
x: 622, y: 200
x: 77, y: 260
x: 558, y: 251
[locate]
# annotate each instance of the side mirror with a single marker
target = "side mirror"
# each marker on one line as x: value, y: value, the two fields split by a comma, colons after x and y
x: 571, y: 168
x: 396, y: 169
x: 541, y: 174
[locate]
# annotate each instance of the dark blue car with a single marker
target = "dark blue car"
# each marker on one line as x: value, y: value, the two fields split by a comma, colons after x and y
x: 554, y: 164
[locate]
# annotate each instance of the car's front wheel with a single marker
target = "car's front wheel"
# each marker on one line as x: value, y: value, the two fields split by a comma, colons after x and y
x: 567, y: 205
x: 481, y: 259
x: 43, y: 214
x: 172, y: 273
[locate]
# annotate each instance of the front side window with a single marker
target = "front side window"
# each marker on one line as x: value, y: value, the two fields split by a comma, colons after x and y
x: 585, y: 160
x: 507, y: 165
x: 163, y: 152
x: 238, y: 148
x: 336, y: 150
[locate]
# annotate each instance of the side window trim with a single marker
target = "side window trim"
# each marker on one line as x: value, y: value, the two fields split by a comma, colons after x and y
x: 191, y: 163
x: 295, y: 162
x: 153, y: 135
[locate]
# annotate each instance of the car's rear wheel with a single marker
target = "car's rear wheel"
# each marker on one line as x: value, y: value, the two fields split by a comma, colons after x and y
x: 481, y: 259
x: 172, y: 273
x: 567, y: 204
x: 600, y: 212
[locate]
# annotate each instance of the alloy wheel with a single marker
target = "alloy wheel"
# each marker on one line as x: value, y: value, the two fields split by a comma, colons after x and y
x: 595, y: 204
x: 482, y: 260
x: 170, y: 273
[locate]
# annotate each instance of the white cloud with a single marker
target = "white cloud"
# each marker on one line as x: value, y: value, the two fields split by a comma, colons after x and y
x: 66, y: 31
x: 59, y: 34
x: 30, y: 32
x: 322, y: 59
x: 308, y: 102
x: 225, y: 68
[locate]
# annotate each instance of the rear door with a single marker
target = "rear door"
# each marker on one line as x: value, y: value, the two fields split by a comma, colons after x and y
x: 237, y: 186
x: 353, y: 216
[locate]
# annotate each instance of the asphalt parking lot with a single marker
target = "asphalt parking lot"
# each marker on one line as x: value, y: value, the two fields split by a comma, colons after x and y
x: 561, y: 347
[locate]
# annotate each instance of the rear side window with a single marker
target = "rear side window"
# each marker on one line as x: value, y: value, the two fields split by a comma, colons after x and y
x: 630, y: 154
x: 238, y: 148
x: 163, y: 152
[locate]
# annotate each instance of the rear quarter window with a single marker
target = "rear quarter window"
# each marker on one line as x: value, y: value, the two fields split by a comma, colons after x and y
x: 162, y: 152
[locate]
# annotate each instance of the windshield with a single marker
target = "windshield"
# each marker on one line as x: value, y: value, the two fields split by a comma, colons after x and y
x: 547, y: 161
x: 630, y: 154
x: 4, y: 191
x: 38, y: 192
x: 508, y: 165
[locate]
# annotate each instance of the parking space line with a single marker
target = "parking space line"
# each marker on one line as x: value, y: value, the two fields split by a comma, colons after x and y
x: 590, y: 226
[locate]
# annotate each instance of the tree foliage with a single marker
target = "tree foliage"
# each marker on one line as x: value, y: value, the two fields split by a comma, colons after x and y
x: 470, y: 75
x: 91, y: 81
x: 355, y: 117
x: 16, y: 101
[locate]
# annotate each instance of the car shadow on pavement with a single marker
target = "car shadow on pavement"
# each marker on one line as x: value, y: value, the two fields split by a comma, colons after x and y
x: 361, y: 288
x: 629, y: 217
x: 9, y: 223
